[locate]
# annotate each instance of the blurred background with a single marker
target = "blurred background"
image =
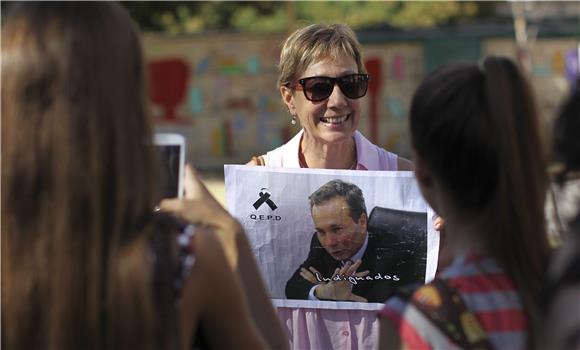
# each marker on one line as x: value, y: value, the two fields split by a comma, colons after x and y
x: 212, y: 65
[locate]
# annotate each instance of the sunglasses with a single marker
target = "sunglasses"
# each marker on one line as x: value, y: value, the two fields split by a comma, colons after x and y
x: 318, y: 89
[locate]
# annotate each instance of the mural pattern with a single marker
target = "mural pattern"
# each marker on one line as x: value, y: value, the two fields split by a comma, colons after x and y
x: 220, y: 91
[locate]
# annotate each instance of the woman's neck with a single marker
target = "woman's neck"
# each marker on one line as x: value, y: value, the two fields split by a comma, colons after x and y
x: 466, y: 235
x: 341, y: 155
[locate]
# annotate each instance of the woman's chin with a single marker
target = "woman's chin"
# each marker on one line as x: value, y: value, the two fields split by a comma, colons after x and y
x: 336, y: 136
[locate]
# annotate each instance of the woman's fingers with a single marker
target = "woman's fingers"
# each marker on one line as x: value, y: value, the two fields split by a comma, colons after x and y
x: 194, y: 187
x: 172, y: 205
x: 189, y: 183
x: 439, y: 223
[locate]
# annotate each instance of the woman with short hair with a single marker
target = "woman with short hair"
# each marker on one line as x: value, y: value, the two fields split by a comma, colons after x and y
x: 322, y: 80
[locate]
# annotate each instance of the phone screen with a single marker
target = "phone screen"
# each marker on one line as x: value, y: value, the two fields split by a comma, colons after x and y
x: 169, y: 156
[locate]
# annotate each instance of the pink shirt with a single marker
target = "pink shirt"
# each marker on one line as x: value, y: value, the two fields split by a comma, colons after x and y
x: 369, y: 156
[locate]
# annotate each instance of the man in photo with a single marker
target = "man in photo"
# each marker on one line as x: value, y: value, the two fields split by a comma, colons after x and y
x: 345, y: 262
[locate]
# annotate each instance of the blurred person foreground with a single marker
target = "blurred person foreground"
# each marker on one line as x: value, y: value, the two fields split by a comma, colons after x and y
x: 87, y: 262
x: 560, y: 326
x: 491, y: 193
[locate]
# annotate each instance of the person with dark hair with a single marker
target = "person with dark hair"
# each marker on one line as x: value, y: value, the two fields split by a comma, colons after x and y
x: 564, y: 195
x: 341, y: 246
x: 86, y: 263
x: 560, y: 322
x: 480, y: 164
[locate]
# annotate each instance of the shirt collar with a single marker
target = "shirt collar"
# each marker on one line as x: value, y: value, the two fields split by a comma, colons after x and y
x: 364, y: 155
x: 359, y: 254
x: 364, y: 152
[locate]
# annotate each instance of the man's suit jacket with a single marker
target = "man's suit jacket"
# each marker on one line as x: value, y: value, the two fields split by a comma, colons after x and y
x: 385, y: 256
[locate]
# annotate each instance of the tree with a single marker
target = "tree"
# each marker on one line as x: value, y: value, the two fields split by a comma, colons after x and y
x: 274, y: 17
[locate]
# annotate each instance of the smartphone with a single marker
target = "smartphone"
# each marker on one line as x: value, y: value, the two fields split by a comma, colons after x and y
x: 171, y: 152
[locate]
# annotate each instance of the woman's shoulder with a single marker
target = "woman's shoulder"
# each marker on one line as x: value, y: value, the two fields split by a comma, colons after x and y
x: 285, y: 156
x: 373, y: 157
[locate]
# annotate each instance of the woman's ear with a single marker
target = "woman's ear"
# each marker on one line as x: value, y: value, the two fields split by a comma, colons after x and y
x: 288, y: 98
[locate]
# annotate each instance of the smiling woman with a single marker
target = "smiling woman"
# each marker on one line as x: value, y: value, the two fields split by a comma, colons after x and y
x: 322, y: 81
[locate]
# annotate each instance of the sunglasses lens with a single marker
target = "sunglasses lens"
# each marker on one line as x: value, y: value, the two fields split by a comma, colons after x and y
x: 354, y: 86
x: 318, y: 89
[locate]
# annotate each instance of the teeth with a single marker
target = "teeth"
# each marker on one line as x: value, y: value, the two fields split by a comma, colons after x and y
x: 334, y: 120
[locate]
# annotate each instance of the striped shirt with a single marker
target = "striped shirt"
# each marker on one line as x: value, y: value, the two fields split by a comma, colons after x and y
x: 487, y: 291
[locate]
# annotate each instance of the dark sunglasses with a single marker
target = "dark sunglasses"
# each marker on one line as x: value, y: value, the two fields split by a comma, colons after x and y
x: 317, y: 89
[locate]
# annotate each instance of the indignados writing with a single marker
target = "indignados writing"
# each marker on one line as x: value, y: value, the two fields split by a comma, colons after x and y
x: 356, y: 279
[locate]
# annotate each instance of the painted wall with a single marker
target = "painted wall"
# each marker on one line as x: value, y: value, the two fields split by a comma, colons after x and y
x: 220, y: 90
x: 551, y: 71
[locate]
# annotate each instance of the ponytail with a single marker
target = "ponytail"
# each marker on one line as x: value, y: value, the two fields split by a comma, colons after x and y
x: 476, y: 126
x: 520, y: 241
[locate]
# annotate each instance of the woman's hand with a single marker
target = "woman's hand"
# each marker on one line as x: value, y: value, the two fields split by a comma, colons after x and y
x: 439, y: 224
x: 201, y: 208
x: 445, y: 256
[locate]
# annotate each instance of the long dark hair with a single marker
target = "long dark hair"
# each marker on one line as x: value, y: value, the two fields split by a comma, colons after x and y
x: 477, y: 128
x: 77, y: 179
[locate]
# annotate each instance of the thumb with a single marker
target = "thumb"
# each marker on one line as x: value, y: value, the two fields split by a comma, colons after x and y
x: 171, y: 205
x: 194, y: 188
x: 439, y: 223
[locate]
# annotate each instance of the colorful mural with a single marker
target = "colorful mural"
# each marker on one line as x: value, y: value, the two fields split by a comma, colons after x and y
x: 168, y: 80
x: 220, y: 91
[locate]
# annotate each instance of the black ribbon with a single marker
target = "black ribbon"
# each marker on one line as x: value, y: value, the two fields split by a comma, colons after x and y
x: 265, y: 198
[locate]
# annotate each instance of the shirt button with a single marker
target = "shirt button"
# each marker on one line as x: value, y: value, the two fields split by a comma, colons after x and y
x: 346, y: 333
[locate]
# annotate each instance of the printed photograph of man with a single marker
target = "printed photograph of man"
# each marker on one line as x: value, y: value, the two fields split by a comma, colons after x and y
x: 345, y: 262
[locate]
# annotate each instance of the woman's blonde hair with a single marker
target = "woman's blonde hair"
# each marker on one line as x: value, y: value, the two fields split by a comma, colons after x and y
x: 78, y: 180
x: 314, y: 43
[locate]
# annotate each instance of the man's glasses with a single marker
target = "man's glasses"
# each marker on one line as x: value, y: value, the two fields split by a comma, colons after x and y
x: 318, y: 89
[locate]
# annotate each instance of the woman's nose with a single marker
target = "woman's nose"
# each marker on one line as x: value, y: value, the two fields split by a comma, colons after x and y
x: 336, y: 98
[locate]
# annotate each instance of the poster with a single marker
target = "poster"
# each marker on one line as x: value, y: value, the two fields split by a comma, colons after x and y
x: 396, y: 240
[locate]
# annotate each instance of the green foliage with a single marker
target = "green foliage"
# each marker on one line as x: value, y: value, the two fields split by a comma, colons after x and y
x: 429, y: 14
x: 250, y: 19
x: 276, y: 16
x: 357, y: 14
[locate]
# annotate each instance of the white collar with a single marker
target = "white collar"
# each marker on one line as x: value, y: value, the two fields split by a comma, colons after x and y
x: 365, y: 153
